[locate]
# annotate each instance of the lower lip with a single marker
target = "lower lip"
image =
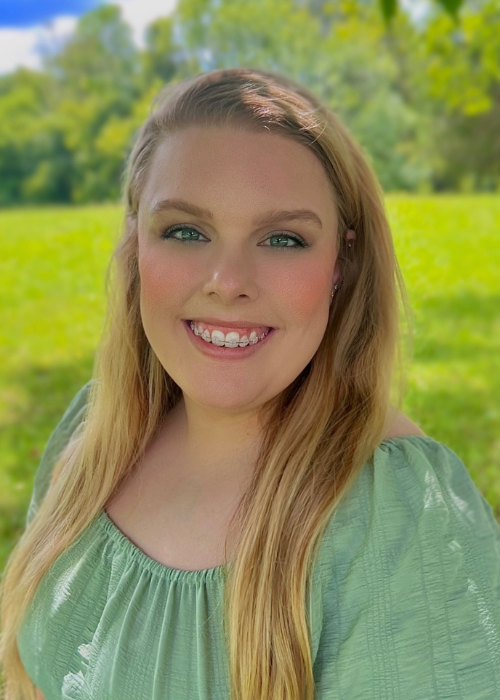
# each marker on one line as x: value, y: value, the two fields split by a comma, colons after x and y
x: 226, y: 353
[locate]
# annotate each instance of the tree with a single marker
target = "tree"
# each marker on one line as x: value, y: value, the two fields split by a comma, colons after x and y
x: 461, y: 81
x: 159, y: 57
x: 34, y: 163
x: 98, y: 74
x: 414, y: 95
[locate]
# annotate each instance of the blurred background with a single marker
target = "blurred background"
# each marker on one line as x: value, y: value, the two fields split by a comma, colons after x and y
x: 416, y: 81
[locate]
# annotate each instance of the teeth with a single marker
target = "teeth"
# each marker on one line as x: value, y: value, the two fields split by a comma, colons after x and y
x: 230, y: 340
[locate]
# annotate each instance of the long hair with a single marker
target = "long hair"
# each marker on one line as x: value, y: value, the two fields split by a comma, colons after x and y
x: 322, y: 428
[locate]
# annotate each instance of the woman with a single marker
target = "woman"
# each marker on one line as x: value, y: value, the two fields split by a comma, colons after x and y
x: 232, y: 507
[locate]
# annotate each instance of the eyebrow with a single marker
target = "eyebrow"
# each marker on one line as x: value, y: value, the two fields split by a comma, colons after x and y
x: 269, y: 218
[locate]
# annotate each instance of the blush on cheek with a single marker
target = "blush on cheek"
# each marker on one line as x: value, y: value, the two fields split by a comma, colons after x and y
x: 163, y: 279
x: 305, y: 290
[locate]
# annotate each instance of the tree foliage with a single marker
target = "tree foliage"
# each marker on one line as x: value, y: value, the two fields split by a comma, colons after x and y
x: 390, y: 7
x: 416, y: 95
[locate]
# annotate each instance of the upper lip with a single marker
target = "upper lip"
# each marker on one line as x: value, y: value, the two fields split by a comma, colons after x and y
x: 230, y: 324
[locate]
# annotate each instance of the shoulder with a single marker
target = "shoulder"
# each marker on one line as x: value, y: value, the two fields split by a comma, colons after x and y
x: 399, y: 425
x: 417, y: 484
x: 410, y: 573
x: 413, y: 504
x: 69, y: 422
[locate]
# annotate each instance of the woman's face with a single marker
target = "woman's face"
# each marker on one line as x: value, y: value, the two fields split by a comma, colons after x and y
x: 230, y: 267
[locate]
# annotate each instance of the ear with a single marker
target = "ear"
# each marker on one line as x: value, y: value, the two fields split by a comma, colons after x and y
x: 350, y: 237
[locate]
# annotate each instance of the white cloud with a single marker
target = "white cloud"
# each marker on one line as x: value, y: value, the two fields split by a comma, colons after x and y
x: 17, y: 49
x: 140, y: 13
x: 25, y: 47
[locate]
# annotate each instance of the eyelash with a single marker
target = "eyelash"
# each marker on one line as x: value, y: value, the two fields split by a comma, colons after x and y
x: 180, y: 227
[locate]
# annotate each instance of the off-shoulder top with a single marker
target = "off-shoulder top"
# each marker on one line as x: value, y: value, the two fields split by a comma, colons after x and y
x: 404, y: 602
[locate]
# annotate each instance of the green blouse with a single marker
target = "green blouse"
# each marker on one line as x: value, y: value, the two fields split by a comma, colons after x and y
x: 404, y: 602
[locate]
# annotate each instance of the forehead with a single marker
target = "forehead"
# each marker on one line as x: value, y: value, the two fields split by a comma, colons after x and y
x: 237, y: 170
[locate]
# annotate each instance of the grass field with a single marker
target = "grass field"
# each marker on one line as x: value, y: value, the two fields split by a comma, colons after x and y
x: 53, y: 261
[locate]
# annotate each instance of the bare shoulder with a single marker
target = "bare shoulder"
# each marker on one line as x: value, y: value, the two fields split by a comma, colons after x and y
x: 402, y: 426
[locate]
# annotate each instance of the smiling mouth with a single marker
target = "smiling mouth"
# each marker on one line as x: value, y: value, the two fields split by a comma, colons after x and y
x: 238, y: 339
x: 243, y: 327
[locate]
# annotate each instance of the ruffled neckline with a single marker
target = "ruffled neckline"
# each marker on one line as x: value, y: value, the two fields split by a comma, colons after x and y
x: 113, y: 532
x: 195, y: 576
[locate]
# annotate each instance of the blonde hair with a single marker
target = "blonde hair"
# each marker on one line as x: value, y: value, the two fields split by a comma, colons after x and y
x: 320, y: 432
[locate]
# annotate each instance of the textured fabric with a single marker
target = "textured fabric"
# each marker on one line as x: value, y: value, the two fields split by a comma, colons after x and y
x: 404, y: 603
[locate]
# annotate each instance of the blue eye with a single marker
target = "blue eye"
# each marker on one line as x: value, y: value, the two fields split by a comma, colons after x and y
x: 179, y: 227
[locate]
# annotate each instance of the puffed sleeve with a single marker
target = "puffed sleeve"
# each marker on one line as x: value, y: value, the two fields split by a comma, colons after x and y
x: 410, y: 571
x: 72, y: 417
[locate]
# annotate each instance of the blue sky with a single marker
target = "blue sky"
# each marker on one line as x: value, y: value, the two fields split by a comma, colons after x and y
x: 26, y: 13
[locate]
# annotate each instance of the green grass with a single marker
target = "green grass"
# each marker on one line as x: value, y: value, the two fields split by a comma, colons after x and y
x: 53, y: 262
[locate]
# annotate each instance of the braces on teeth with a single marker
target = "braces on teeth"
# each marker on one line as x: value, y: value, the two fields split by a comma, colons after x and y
x: 230, y: 340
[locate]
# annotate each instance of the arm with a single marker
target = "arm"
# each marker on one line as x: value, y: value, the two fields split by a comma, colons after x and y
x: 39, y: 695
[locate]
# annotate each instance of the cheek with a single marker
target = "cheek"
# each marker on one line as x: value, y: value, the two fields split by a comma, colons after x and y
x: 162, y: 279
x: 306, y: 290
